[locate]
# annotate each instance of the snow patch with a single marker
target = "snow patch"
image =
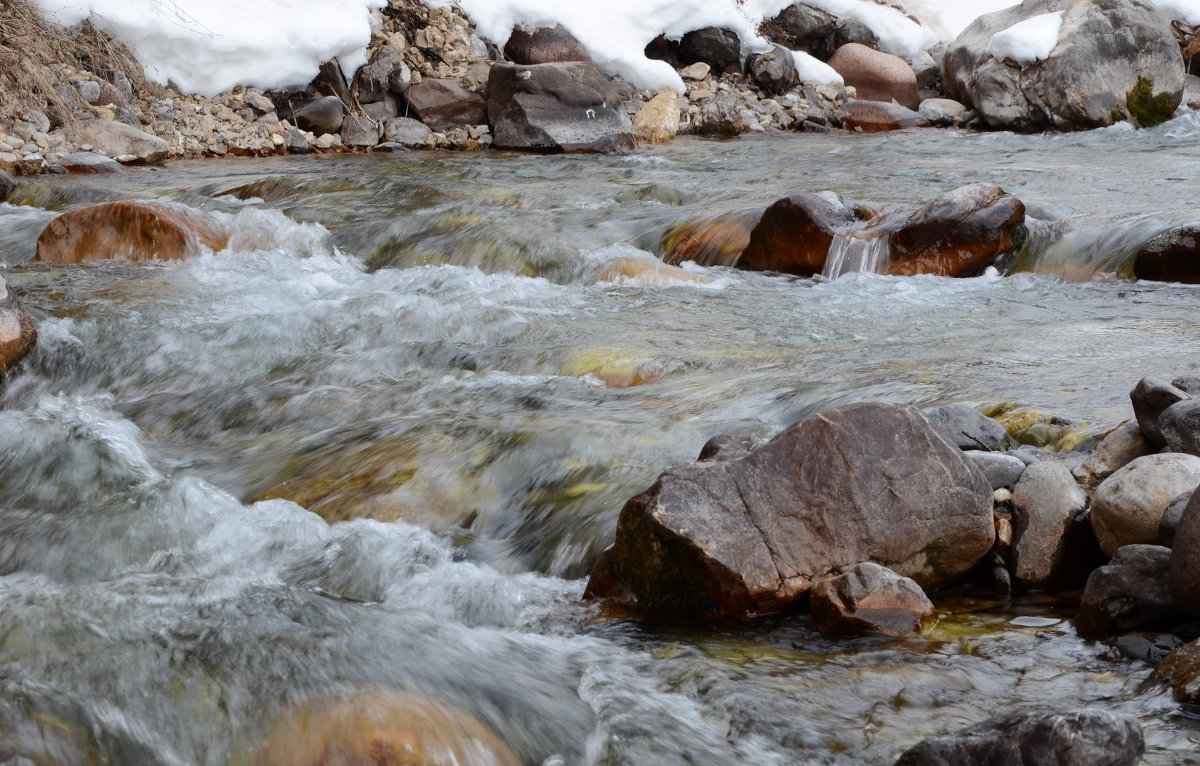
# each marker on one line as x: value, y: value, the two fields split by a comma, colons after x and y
x: 814, y: 70
x: 1028, y: 41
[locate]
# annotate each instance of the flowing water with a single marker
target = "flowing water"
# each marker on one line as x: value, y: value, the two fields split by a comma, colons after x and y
x: 421, y: 350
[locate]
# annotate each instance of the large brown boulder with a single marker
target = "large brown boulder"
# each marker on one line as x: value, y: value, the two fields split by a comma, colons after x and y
x: 1185, y: 558
x: 17, y: 334
x: 875, y: 75
x: 794, y: 234
x: 747, y: 536
x: 382, y: 728
x: 544, y: 45
x: 959, y: 233
x: 133, y: 231
x: 1173, y: 256
x: 563, y: 107
x: 444, y: 104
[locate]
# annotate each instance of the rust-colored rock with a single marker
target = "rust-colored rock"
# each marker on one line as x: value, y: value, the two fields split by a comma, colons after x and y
x: 794, y: 234
x: 17, y: 334
x: 871, y: 599
x: 752, y: 535
x: 959, y: 233
x: 1180, y: 672
x: 544, y: 45
x: 875, y: 75
x: 382, y: 728
x: 132, y: 231
x: 879, y: 116
x: 716, y: 240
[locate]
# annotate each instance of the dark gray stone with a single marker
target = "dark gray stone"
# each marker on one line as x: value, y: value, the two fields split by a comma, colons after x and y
x: 1131, y: 592
x: 1185, y: 557
x: 1001, y: 470
x: 382, y: 111
x: 1170, y: 256
x: 729, y: 447
x: 297, y: 143
x: 752, y: 535
x: 1150, y: 397
x: 719, y: 48
x: 969, y: 429
x: 90, y: 163
x: 564, y: 107
x: 319, y: 116
x: 360, y: 131
x: 444, y: 105
x: 774, y: 72
x: 1171, y: 518
x: 1180, y: 426
x: 801, y: 27
x: 1080, y: 738
x: 1052, y: 538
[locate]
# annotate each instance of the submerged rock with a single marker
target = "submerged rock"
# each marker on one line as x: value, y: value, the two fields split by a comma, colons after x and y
x: 90, y: 163
x: 133, y: 231
x: 1051, y: 538
x: 794, y: 234
x: 868, y: 482
x: 1128, y: 506
x: 544, y: 45
x: 871, y: 599
x: 382, y: 728
x: 1172, y: 256
x: 716, y: 240
x: 1080, y: 738
x: 17, y: 334
x: 1131, y: 592
x: 875, y: 75
x: 565, y: 107
x: 959, y: 233
x: 1113, y: 60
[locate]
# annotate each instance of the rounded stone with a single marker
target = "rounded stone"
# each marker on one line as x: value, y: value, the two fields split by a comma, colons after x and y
x: 1128, y: 506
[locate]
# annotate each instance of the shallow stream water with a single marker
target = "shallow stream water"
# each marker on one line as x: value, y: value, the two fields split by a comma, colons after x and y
x: 418, y: 348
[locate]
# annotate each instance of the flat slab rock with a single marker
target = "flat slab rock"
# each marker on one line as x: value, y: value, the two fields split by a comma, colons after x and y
x: 1081, y: 738
x: 747, y: 536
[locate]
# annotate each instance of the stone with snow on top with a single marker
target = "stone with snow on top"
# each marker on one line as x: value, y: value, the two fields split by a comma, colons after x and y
x: 959, y: 233
x: 17, y: 333
x: 753, y: 535
x: 941, y: 111
x: 406, y: 132
x: 1078, y: 738
x: 1120, y: 447
x: 1091, y: 77
x: 795, y: 233
x: 879, y: 116
x: 386, y: 74
x: 89, y: 163
x: 444, y: 105
x: 122, y: 142
x: 1172, y: 256
x: 1052, y: 540
x: 1127, y: 507
x: 871, y: 599
x: 773, y: 71
x: 803, y: 28
x: 563, y: 107
x: 719, y: 48
x: 544, y: 45
x: 658, y: 121
x: 875, y: 75
x: 1130, y: 592
x: 132, y: 231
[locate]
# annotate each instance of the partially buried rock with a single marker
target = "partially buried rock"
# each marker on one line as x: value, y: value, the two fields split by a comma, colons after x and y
x: 444, y: 104
x: 941, y: 111
x: 648, y: 272
x: 1052, y: 539
x: 879, y: 116
x: 382, y: 728
x: 774, y: 71
x: 89, y: 163
x: 1128, y: 506
x: 17, y: 334
x: 133, y: 231
x: 875, y: 75
x: 794, y: 234
x: 122, y: 142
x: 1130, y: 592
x: 1150, y: 397
x: 871, y: 599
x: 658, y: 121
x: 1173, y: 256
x: 544, y: 45
x: 1080, y: 738
x: 568, y: 107
x: 959, y: 233
x: 969, y: 429
x: 1185, y: 558
x: 359, y: 131
x: 867, y: 482
x: 1121, y: 447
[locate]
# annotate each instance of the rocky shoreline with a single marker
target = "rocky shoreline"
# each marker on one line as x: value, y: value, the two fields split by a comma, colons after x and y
x: 426, y: 86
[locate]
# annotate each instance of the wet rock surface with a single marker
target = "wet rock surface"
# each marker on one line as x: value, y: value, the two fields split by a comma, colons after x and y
x: 131, y: 231
x: 871, y: 599
x: 1052, y: 541
x: 1132, y: 591
x: 794, y: 234
x: 17, y: 333
x: 1172, y: 256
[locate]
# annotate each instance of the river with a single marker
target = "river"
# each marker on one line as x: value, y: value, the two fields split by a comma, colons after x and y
x: 418, y: 349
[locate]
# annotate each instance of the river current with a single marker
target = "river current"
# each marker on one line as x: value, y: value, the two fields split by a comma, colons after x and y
x: 380, y: 439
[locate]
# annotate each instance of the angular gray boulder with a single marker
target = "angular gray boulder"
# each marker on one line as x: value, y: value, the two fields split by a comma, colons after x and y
x: 1131, y: 591
x: 1114, y: 60
x: 559, y: 107
x: 1150, y: 397
x: 124, y: 143
x: 1079, y: 738
x: 1050, y: 539
x: 736, y: 538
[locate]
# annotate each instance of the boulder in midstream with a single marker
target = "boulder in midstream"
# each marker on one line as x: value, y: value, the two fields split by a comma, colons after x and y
x: 133, y: 231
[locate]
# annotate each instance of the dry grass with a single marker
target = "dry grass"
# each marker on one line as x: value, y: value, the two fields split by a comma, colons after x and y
x: 34, y: 51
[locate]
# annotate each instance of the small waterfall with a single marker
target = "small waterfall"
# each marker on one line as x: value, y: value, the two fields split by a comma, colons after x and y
x: 848, y: 252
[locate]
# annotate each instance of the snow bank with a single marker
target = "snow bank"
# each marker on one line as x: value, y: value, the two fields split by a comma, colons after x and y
x: 1027, y: 41
x: 209, y: 46
x: 815, y: 70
